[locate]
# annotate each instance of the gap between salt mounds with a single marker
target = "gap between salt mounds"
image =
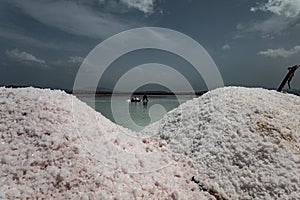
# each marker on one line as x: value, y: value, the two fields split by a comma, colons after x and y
x: 50, y: 150
x: 244, y: 143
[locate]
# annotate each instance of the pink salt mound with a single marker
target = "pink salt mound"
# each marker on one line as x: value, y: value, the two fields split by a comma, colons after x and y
x: 50, y: 150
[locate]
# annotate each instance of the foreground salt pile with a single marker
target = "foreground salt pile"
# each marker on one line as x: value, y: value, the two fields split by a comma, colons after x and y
x: 244, y: 143
x: 44, y: 154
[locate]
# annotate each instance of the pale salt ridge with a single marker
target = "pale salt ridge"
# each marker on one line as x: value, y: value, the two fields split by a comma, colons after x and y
x: 244, y: 143
x: 45, y: 154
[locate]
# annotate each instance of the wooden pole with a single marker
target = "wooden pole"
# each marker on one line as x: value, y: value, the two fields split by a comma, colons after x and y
x: 288, y: 77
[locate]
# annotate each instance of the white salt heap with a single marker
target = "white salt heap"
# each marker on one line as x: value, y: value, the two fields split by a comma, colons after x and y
x: 238, y: 143
x: 50, y: 150
x: 244, y: 143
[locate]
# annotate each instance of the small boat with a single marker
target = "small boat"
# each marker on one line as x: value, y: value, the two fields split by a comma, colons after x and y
x: 135, y: 99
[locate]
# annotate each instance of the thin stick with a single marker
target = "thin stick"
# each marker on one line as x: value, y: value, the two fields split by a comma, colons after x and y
x: 288, y: 77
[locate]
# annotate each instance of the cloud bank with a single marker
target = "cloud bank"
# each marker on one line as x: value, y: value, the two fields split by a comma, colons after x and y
x: 281, y: 52
x: 23, y: 56
x: 72, y: 18
x: 85, y: 18
x: 145, y: 6
x: 288, y: 8
x: 226, y: 47
x: 75, y: 59
x: 285, y: 15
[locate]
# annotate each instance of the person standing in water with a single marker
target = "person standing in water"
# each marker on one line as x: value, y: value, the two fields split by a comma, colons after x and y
x: 145, y: 99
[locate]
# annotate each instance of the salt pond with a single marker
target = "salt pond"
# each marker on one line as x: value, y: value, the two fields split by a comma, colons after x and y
x: 139, y: 115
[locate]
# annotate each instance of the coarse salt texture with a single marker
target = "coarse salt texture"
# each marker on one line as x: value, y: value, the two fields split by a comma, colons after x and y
x: 244, y: 143
x: 53, y: 146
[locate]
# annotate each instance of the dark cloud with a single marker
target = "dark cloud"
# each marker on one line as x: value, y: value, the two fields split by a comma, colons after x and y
x: 59, y: 34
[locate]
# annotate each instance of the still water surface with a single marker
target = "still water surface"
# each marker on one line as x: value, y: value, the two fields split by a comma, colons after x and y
x: 135, y: 116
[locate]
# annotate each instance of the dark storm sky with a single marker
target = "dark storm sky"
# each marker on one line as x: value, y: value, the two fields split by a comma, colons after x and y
x: 43, y: 42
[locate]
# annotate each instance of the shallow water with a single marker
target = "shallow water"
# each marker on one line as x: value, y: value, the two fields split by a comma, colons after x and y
x: 134, y: 116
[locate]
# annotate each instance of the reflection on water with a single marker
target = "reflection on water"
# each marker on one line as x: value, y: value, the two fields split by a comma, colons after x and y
x: 139, y: 114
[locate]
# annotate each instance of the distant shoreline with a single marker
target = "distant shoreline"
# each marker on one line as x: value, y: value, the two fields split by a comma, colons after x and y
x: 153, y: 93
x: 110, y: 93
x: 138, y: 93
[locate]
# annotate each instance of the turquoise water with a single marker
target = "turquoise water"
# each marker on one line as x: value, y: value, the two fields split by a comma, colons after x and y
x: 135, y: 116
